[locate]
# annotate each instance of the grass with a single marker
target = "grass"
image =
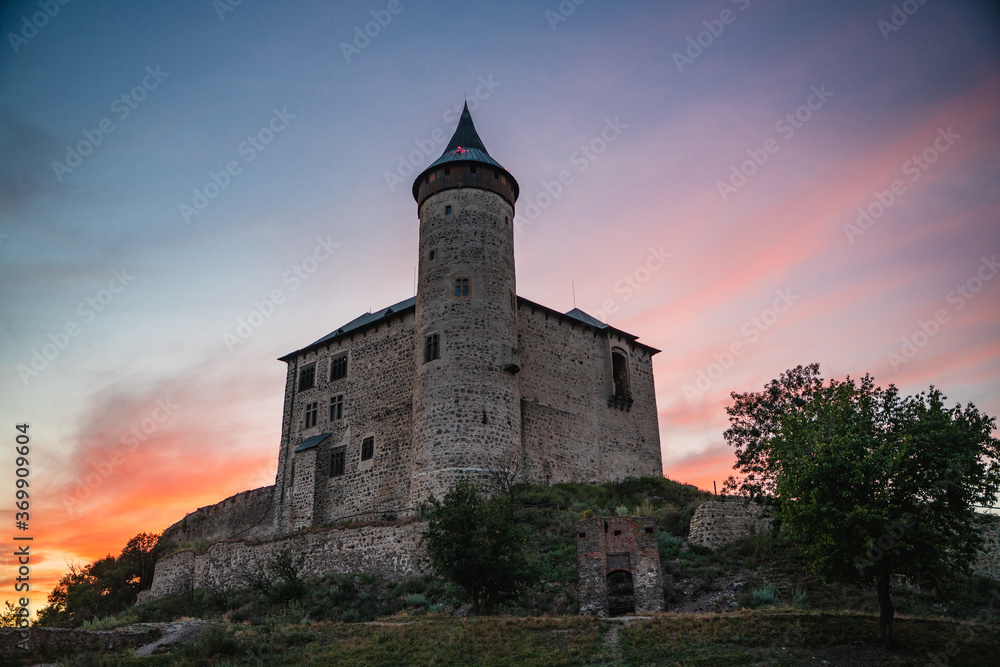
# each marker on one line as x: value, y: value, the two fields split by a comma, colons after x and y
x: 771, y: 636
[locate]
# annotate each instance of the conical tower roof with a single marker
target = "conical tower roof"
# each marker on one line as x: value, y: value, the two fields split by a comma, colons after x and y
x: 465, y: 146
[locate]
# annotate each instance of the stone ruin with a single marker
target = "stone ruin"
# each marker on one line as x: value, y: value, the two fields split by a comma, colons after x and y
x: 619, y: 566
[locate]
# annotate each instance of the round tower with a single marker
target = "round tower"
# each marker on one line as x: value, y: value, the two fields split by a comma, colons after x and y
x: 466, y: 403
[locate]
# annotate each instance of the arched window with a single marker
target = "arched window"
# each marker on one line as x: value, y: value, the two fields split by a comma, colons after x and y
x: 622, y: 396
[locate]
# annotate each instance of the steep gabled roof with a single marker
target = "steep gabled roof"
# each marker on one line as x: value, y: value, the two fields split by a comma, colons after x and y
x: 358, y: 324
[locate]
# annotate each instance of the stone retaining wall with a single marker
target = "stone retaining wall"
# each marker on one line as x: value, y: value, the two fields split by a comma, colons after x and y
x: 63, y: 640
x: 391, y: 551
x: 717, y: 524
x: 988, y: 563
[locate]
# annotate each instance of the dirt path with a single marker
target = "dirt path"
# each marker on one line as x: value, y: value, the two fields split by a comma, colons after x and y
x: 178, y: 632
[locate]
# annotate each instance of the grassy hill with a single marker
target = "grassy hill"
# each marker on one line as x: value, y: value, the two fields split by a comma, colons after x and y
x: 749, y: 603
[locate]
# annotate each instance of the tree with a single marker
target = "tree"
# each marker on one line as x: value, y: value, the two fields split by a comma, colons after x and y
x: 870, y: 484
x: 472, y: 542
x: 105, y: 587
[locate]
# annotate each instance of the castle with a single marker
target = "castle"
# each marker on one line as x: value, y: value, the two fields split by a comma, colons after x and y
x: 465, y: 379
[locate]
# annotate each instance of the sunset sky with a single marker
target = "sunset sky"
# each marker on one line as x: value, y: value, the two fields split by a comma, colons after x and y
x: 750, y: 186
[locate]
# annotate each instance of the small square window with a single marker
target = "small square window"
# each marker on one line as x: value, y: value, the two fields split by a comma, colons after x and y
x: 447, y: 210
x: 338, y: 368
x: 472, y: 169
x: 312, y: 412
x: 338, y: 460
x: 432, y: 348
x: 462, y: 287
x: 336, y: 407
x: 367, y: 448
x: 447, y: 171
x: 307, y: 377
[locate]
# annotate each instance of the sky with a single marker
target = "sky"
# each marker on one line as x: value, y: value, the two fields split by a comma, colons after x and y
x: 191, y: 189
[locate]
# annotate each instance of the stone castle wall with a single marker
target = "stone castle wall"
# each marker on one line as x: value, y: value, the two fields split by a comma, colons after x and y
x: 717, y: 524
x: 247, y: 515
x: 391, y: 551
x: 569, y: 432
x: 378, y: 403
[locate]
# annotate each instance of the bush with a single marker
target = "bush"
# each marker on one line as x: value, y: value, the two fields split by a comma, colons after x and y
x: 473, y: 542
x: 762, y: 596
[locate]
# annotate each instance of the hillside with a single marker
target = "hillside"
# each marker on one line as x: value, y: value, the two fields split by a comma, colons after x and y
x: 747, y: 603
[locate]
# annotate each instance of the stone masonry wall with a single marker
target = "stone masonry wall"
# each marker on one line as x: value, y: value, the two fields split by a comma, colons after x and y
x: 390, y: 551
x: 65, y: 640
x: 988, y: 563
x: 618, y: 543
x: 716, y: 524
x: 377, y: 402
x: 247, y: 515
x: 569, y: 433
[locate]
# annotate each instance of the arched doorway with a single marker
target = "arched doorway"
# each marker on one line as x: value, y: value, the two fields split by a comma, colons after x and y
x: 621, y: 595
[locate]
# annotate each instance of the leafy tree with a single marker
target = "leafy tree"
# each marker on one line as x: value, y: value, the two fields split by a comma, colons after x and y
x: 472, y: 541
x: 105, y: 587
x: 872, y: 485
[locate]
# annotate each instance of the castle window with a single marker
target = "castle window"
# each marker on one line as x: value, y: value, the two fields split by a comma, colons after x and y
x: 432, y: 348
x: 447, y: 171
x: 513, y: 302
x: 432, y: 176
x: 336, y: 407
x: 312, y: 411
x: 307, y: 377
x: 462, y: 287
x: 433, y: 255
x: 367, y: 448
x: 338, y: 367
x: 622, y: 398
x: 447, y: 210
x: 472, y: 170
x: 338, y: 461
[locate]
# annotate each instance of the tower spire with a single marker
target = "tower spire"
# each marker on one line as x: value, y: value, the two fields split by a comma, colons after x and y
x: 465, y: 146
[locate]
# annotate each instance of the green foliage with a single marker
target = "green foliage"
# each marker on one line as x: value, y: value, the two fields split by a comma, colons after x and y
x: 416, y: 600
x: 473, y: 542
x: 105, y: 587
x: 669, y: 545
x: 870, y: 484
x: 763, y: 596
